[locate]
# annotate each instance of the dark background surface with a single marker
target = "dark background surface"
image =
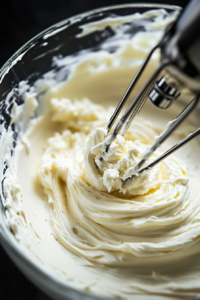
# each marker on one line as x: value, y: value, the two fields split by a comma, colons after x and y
x: 20, y: 21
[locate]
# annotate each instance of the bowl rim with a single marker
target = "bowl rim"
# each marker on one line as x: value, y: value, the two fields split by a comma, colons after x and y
x: 24, y: 48
x: 13, y: 248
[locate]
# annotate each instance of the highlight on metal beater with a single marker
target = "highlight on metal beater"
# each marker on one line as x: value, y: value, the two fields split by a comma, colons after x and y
x: 179, y: 69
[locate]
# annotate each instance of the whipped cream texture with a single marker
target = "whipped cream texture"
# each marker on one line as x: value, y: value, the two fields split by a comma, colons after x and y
x: 73, y: 215
x: 105, y: 221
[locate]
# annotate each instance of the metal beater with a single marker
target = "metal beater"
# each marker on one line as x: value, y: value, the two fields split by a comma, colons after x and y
x: 180, y: 61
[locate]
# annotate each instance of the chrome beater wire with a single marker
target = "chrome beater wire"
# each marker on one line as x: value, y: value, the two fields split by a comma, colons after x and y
x: 170, y: 151
x: 164, y: 135
x: 137, y: 110
x: 136, y: 105
x: 129, y: 90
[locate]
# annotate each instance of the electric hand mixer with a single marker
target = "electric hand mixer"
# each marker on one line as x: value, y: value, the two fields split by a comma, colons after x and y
x: 180, y: 60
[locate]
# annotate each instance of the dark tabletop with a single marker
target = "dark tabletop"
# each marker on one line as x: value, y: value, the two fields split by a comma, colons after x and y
x: 19, y: 22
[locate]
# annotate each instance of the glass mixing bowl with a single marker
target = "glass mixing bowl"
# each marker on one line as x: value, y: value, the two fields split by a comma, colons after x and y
x: 31, y: 62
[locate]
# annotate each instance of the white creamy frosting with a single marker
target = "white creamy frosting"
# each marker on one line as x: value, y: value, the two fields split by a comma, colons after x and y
x: 73, y: 214
x: 107, y: 175
x: 106, y: 222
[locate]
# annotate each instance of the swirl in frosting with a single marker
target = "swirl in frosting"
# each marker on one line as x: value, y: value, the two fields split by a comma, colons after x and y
x: 97, y: 217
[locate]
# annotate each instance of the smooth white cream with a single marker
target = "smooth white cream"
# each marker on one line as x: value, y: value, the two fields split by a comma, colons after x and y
x: 104, y: 221
x: 72, y: 213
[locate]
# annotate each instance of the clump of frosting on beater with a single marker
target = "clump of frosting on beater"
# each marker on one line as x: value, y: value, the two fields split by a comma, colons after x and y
x: 107, y: 174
